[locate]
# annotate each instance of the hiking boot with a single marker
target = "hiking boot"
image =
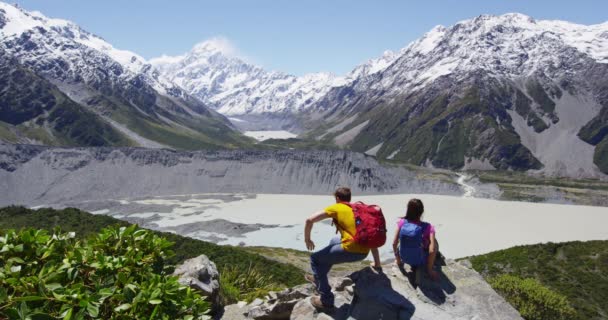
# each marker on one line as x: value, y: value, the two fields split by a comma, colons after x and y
x: 316, y: 302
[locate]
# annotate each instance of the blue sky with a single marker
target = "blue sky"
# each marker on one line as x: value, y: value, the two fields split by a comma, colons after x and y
x: 297, y: 37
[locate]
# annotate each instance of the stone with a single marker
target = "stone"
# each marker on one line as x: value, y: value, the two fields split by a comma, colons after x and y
x: 257, y: 302
x: 272, y: 295
x: 342, y: 283
x: 461, y: 293
x: 201, y: 274
x: 303, y: 310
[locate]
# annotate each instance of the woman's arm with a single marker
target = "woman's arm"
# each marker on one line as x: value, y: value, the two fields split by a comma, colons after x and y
x: 321, y: 215
x: 396, y: 246
x: 431, y: 260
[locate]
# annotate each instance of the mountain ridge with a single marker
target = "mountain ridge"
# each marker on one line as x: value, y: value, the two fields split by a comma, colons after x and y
x: 118, y: 86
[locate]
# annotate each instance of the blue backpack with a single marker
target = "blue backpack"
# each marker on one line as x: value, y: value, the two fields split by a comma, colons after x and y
x: 411, y: 248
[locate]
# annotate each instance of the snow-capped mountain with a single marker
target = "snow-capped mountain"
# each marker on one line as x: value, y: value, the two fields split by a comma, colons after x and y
x: 213, y: 72
x: 511, y: 45
x: 120, y: 87
x: 506, y: 92
x: 235, y: 87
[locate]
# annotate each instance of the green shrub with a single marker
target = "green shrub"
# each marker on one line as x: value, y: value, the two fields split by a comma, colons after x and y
x: 532, y: 299
x: 85, y: 224
x: 576, y: 270
x: 120, y: 273
x: 236, y: 285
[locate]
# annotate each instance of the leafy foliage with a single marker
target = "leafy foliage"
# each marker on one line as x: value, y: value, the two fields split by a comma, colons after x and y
x: 576, y: 270
x: 85, y: 224
x: 236, y: 285
x: 120, y: 273
x: 532, y: 299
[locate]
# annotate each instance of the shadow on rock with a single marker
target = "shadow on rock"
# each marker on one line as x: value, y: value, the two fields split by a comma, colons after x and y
x: 375, y: 298
x: 435, y: 291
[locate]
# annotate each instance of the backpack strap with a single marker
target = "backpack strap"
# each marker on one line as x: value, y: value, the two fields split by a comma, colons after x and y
x: 338, y: 226
x: 401, y: 222
x: 425, y: 225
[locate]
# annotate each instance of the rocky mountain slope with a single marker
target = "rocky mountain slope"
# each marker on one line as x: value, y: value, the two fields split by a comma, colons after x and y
x: 494, y: 92
x: 35, y: 175
x: 116, y: 88
x: 503, y: 92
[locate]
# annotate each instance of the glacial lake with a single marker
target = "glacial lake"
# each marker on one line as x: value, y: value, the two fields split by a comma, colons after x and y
x: 465, y: 226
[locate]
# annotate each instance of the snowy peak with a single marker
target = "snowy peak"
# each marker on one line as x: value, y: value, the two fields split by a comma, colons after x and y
x: 117, y: 86
x: 429, y: 41
x: 18, y: 21
x: 372, y: 66
x: 217, y: 45
x: 214, y: 72
x: 589, y: 39
x: 511, y: 45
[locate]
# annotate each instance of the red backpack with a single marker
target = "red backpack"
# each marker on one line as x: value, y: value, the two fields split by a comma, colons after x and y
x: 370, y: 224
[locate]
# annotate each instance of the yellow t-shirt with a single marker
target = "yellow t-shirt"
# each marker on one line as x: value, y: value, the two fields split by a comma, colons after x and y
x: 346, y: 220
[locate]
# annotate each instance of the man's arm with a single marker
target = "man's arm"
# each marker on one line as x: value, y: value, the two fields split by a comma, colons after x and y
x: 321, y: 215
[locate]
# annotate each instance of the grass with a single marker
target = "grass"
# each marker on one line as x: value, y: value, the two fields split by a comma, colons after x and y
x: 600, y: 157
x: 301, y: 260
x: 194, y: 135
x: 6, y: 134
x: 576, y: 270
x: 509, y: 177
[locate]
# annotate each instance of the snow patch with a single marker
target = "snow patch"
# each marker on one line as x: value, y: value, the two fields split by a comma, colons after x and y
x: 339, y: 127
x: 373, y: 151
x: 269, y: 134
x: 141, y: 141
x: 393, y: 154
x: 236, y: 120
x: 346, y: 137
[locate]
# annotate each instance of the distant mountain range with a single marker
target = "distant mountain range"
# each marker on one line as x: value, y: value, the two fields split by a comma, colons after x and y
x: 494, y: 92
x: 61, y: 85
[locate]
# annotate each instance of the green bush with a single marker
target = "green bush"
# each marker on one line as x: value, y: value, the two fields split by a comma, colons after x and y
x: 576, y: 270
x: 120, y: 273
x: 85, y: 224
x: 532, y: 299
x: 236, y: 285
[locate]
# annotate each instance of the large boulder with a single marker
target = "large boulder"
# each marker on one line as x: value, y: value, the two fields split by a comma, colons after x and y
x: 391, y: 294
x: 201, y: 274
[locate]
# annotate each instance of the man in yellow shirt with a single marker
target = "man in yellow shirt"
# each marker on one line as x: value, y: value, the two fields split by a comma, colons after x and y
x: 341, y: 249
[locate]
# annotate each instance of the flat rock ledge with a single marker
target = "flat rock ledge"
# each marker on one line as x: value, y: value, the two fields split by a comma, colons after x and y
x: 392, y: 293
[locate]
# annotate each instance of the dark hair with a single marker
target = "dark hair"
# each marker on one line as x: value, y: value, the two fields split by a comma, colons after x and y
x: 343, y: 194
x: 415, y: 209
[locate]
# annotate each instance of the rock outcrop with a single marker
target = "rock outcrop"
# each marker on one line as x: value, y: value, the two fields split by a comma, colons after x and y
x: 201, y: 274
x: 461, y: 293
x: 35, y: 175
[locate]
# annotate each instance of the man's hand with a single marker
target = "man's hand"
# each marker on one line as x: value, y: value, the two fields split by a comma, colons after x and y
x: 309, y: 245
x: 398, y: 261
x: 308, y: 227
